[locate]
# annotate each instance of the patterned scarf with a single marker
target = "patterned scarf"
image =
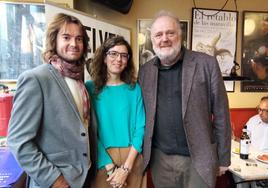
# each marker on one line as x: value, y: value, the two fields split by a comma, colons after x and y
x: 76, y: 72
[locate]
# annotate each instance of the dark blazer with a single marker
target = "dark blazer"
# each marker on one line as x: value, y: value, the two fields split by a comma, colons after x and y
x: 205, y: 112
x: 46, y: 134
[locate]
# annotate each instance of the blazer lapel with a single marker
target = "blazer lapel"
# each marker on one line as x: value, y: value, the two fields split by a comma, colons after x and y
x: 188, y: 72
x: 65, y: 89
x: 154, y: 77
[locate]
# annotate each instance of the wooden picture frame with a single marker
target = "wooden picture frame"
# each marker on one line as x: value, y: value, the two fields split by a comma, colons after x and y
x: 214, y: 32
x: 255, y: 51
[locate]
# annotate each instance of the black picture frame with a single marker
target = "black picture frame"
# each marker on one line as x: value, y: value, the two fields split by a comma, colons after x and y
x: 254, y: 50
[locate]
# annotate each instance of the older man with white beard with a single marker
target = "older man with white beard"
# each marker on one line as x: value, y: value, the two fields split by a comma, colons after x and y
x: 188, y: 136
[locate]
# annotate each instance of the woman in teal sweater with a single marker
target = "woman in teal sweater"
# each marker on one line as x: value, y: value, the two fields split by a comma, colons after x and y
x: 118, y: 103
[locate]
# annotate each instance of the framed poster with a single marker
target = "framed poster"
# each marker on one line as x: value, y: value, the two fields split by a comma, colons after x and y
x: 22, y: 28
x: 145, y: 49
x: 214, y: 33
x: 255, y: 51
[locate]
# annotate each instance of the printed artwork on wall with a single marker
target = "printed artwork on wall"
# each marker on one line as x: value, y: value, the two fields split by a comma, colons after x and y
x: 255, y: 51
x: 214, y: 33
x: 22, y: 28
x: 145, y: 49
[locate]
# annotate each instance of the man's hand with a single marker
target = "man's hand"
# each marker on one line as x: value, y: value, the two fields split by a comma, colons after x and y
x: 222, y: 170
x: 60, y: 183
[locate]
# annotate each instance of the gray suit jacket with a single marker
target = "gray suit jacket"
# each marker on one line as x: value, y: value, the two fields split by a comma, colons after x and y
x: 205, y: 112
x: 46, y: 134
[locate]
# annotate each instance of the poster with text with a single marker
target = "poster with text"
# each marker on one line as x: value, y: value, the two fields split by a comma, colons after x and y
x: 214, y: 33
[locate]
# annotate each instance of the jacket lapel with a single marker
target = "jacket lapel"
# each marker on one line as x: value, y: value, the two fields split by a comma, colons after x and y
x: 65, y: 89
x: 188, y: 72
x: 154, y: 78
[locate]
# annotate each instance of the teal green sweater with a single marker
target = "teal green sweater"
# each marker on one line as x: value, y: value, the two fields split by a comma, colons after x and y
x: 120, y: 117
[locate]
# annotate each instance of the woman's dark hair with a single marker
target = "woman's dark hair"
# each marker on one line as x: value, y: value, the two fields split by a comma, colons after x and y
x: 98, y: 69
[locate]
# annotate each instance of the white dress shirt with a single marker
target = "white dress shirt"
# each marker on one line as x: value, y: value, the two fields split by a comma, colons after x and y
x: 258, y: 133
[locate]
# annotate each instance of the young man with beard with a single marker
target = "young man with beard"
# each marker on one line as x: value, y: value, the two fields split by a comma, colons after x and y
x: 188, y: 133
x: 50, y: 131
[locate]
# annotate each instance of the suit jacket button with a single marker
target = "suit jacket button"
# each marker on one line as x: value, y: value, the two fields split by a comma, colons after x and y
x: 83, y: 134
x: 84, y: 154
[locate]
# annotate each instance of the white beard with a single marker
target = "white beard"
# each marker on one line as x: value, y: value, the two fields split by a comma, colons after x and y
x: 170, y: 56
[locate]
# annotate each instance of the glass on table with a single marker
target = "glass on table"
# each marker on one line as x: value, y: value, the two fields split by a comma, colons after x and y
x: 233, y: 129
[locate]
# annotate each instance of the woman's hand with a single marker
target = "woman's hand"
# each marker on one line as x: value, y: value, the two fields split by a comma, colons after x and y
x: 118, y: 178
x: 110, y: 168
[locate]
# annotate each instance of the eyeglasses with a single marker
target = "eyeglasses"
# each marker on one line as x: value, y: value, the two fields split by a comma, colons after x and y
x: 262, y: 110
x: 115, y: 54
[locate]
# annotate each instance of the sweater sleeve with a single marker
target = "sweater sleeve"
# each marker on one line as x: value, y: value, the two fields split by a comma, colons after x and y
x: 138, y: 133
x: 103, y: 157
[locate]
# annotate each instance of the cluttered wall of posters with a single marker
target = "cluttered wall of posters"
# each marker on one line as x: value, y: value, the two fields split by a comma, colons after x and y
x: 214, y: 32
